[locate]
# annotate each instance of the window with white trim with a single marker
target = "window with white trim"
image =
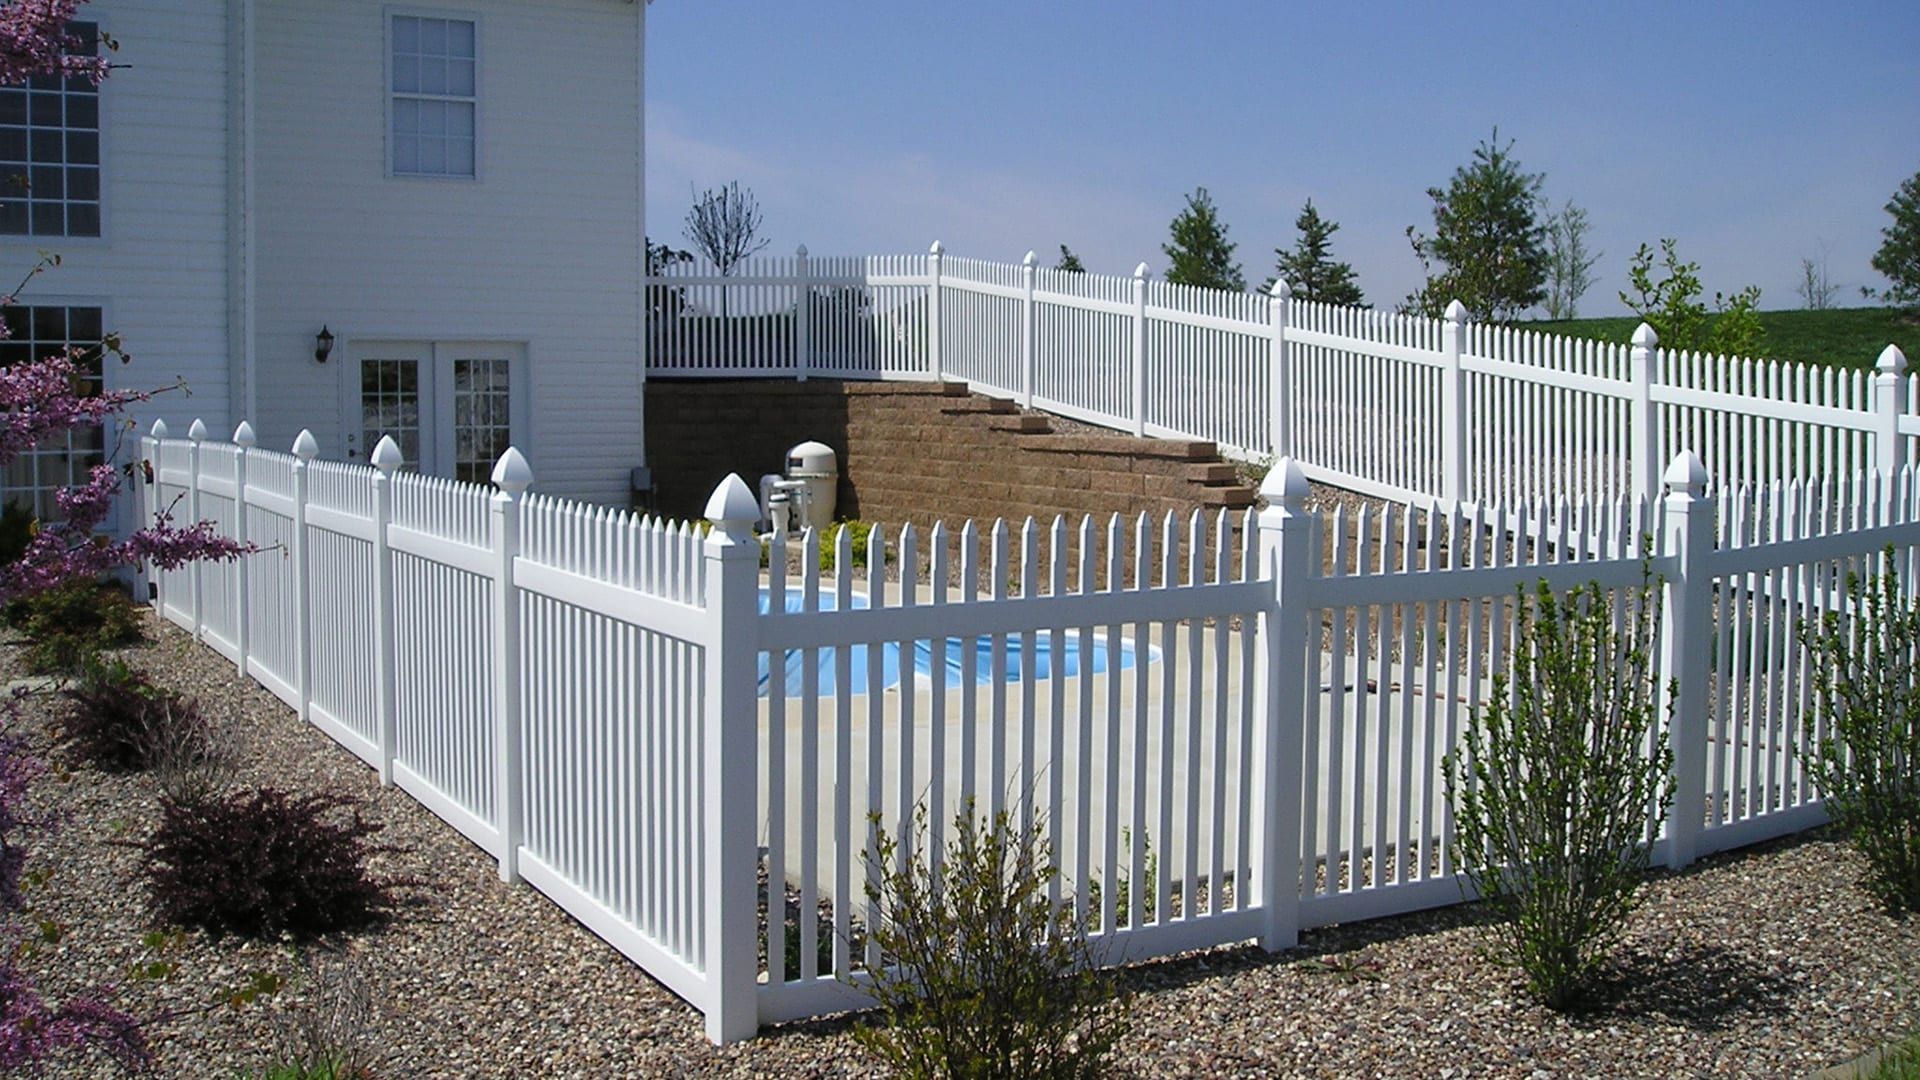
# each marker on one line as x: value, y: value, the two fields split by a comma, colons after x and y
x: 50, y: 150
x: 435, y: 96
x: 35, y: 332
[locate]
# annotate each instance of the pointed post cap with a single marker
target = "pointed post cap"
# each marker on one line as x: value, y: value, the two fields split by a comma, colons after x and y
x: 511, y: 473
x: 1892, y: 361
x: 305, y: 446
x: 732, y: 508
x: 1285, y: 484
x: 1282, y: 289
x: 198, y: 431
x: 1030, y: 260
x: 1140, y: 272
x: 937, y: 249
x: 159, y: 430
x: 387, y: 456
x: 243, y: 436
x: 1456, y: 311
x: 1686, y: 475
x: 1644, y: 337
x: 801, y: 251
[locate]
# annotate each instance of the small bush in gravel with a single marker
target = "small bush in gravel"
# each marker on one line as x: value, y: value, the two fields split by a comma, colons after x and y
x: 31, y: 1031
x: 263, y: 863
x: 120, y: 721
x: 1554, y: 786
x: 69, y: 624
x: 982, y: 974
x: 323, y: 1034
x: 1864, y: 751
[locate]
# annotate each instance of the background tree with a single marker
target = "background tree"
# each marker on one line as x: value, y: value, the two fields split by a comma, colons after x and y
x: 1671, y: 305
x: 1569, y: 264
x: 1487, y: 238
x: 1899, y: 254
x: 724, y: 225
x: 1069, y: 261
x: 1816, y: 288
x: 1310, y: 267
x: 1200, y: 253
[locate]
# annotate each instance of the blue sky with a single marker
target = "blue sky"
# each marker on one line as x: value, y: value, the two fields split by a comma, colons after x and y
x: 1755, y: 134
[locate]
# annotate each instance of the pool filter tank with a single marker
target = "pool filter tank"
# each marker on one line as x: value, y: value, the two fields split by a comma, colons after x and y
x: 805, y: 496
x: 815, y: 466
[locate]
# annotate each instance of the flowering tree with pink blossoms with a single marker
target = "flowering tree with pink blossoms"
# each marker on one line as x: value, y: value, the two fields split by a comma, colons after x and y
x: 43, y: 399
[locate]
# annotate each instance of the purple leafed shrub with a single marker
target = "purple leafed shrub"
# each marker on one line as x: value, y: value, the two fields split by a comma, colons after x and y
x: 262, y: 863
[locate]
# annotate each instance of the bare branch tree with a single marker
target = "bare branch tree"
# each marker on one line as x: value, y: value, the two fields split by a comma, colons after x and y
x: 723, y: 226
x: 1816, y: 289
x: 1569, y: 266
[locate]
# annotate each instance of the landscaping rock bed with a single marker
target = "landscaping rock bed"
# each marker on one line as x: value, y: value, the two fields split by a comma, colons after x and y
x: 1768, y: 962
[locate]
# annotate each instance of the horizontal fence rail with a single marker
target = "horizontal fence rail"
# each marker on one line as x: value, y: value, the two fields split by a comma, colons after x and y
x: 1396, y: 406
x: 1227, y: 727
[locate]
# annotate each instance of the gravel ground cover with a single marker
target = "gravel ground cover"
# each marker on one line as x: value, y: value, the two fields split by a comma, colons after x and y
x: 1767, y: 962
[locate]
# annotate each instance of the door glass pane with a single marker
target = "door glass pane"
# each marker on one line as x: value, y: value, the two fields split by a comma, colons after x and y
x: 390, y: 405
x: 480, y: 432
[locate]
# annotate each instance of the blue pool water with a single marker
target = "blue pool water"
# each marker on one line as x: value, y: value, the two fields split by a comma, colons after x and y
x: 952, y: 654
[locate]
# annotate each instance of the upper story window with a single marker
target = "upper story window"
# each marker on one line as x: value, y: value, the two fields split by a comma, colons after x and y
x: 50, y: 151
x: 434, y: 96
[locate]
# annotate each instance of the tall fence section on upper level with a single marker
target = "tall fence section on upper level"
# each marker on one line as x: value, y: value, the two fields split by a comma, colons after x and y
x: 1397, y: 406
x: 1229, y: 727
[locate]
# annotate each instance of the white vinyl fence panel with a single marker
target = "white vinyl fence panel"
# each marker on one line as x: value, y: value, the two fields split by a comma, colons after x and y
x: 1228, y: 727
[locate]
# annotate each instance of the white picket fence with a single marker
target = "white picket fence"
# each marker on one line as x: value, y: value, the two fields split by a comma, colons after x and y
x: 1397, y: 406
x: 1233, y: 726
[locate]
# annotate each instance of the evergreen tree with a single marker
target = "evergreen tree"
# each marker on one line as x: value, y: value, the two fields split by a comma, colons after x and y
x: 1310, y: 267
x: 1200, y: 253
x: 1899, y: 254
x: 1487, y: 238
x: 1069, y: 261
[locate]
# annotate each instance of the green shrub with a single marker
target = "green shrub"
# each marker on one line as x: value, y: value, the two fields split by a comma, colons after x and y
x: 982, y: 974
x: 264, y: 863
x: 68, y: 625
x: 858, y: 533
x: 1867, y: 762
x: 1552, y: 790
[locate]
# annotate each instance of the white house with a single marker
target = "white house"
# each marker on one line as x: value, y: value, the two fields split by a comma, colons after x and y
x: 452, y: 191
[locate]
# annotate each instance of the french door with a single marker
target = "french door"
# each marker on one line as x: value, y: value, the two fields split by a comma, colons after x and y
x: 453, y: 407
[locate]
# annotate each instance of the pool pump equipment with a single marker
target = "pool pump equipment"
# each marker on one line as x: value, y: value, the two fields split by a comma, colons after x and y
x: 804, y: 497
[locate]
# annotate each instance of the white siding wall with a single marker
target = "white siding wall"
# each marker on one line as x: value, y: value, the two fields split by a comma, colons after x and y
x: 159, y: 266
x: 543, y: 248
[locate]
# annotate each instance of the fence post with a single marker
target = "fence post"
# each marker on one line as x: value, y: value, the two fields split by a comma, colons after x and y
x: 244, y: 439
x: 1890, y: 398
x: 802, y: 314
x: 511, y: 476
x: 1453, y: 407
x: 1686, y: 642
x: 386, y: 458
x: 934, y: 255
x: 1644, y: 445
x: 198, y: 434
x: 305, y: 449
x: 150, y: 503
x: 1140, y: 350
x: 729, y: 763
x: 1028, y: 375
x: 1289, y: 549
x: 1279, y: 374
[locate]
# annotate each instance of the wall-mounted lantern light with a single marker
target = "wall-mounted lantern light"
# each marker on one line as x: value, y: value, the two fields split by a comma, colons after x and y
x: 323, y: 345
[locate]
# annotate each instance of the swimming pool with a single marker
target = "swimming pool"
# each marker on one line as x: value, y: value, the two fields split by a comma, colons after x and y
x: 953, y: 653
